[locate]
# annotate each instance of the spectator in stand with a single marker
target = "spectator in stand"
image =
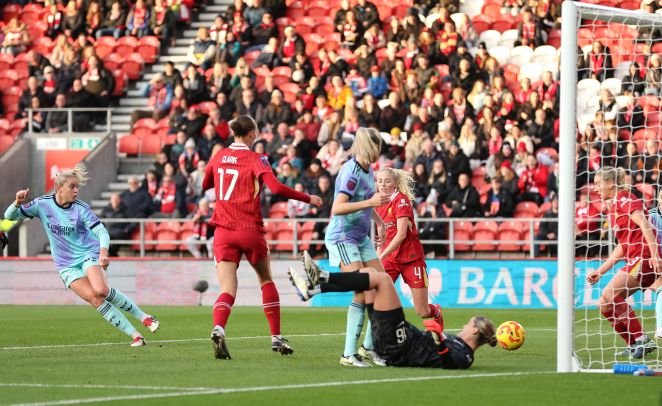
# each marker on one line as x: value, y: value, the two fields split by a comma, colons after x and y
x: 278, y: 111
x: 73, y: 21
x: 150, y: 185
x: 114, y: 22
x: 57, y: 53
x: 265, y: 30
x: 36, y: 64
x: 549, y: 230
x: 631, y: 116
x: 245, y: 83
x: 350, y: 34
x: 633, y: 83
x: 607, y: 105
x: 466, y: 30
x: 356, y: 82
x: 395, y: 32
x: 470, y: 144
x: 411, y: 28
x: 188, y: 160
x: 439, y: 181
x: 163, y: 22
x: 338, y: 94
x: 15, y: 39
x: 79, y: 97
x: 374, y: 38
x: 339, y: 17
x: 237, y: 8
x: 366, y: 14
x: 654, y: 76
x: 93, y: 18
x: 421, y: 187
x: 220, y: 116
x: 137, y: 22
x: 202, y: 50
x: 324, y: 190
x: 499, y: 202
x: 171, y: 75
x: 193, y: 123
x: 377, y: 83
x: 428, y: 154
x: 456, y: 162
x: 164, y: 199
x: 587, y: 226
x: 219, y: 81
x: 194, y: 190
x: 53, y: 18
x: 312, y: 174
x: 448, y: 42
x: 137, y: 200
x: 302, y: 69
x: 295, y: 208
x: 332, y: 156
x: 229, y: 50
x: 464, y: 200
x: 541, y: 130
x: 38, y: 117
x: 533, y: 182
x: 291, y: 45
x: 599, y: 62
x: 254, y: 13
x: 414, y: 146
x: 203, y: 231
x: 510, y: 181
x: 219, y: 29
x: 117, y: 231
x: 57, y: 121
x: 392, y: 115
x: 194, y: 85
x: 181, y: 183
x: 33, y: 90
x: 496, y: 159
x: 370, y: 111
x: 248, y: 105
x: 159, y: 99
x: 207, y: 141
x: 529, y: 33
x: 650, y: 164
x: 98, y: 81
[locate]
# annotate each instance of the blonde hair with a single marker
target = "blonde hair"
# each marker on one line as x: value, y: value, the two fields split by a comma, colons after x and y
x: 79, y: 172
x: 613, y: 175
x: 486, y: 331
x: 368, y: 144
x: 404, y: 181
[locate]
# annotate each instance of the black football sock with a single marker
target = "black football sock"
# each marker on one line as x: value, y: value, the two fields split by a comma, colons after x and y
x: 346, y: 282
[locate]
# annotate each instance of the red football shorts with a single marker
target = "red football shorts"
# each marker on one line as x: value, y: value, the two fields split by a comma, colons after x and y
x: 640, y: 269
x: 414, y: 273
x: 229, y: 245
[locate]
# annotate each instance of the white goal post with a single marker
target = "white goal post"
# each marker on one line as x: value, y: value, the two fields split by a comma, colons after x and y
x: 573, y: 14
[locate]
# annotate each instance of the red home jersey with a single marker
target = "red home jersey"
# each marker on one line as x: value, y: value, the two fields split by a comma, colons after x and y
x: 236, y: 172
x: 628, y: 234
x: 411, y: 248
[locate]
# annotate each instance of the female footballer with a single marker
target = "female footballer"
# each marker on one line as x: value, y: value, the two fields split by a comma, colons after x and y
x: 637, y: 246
x: 79, y: 246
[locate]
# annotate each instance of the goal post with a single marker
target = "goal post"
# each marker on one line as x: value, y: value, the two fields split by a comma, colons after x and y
x: 581, y: 23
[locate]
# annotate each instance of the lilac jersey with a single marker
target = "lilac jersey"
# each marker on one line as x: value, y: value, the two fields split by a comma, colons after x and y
x: 359, y: 185
x: 69, y: 229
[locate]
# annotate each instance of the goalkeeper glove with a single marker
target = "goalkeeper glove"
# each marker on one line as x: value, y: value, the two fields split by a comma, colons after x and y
x: 435, y: 330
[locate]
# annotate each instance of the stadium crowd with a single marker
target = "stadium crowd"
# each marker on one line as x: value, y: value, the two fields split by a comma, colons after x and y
x: 479, y: 138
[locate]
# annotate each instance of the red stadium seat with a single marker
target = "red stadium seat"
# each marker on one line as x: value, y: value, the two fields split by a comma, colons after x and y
x: 133, y: 66
x: 486, y: 225
x: 503, y: 23
x: 462, y: 231
x: 304, y: 240
x: 317, y: 12
x: 8, y: 78
x: 324, y: 29
x: 150, y: 144
x: 112, y: 62
x: 554, y: 38
x: 151, y: 43
x: 5, y: 142
x: 401, y: 10
x: 126, y: 45
x: 148, y: 123
x: 6, y: 61
x: 284, y: 238
x: 526, y: 210
x: 10, y: 98
x: 30, y: 17
x: 278, y: 210
x: 11, y: 11
x: 481, y: 23
x: 129, y: 144
x: 43, y: 45
x: 544, y: 208
x: 491, y: 10
x: 485, y: 240
x: 121, y: 83
x: 630, y: 4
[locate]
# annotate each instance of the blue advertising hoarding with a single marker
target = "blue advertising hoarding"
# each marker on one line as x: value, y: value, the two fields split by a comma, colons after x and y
x: 521, y: 284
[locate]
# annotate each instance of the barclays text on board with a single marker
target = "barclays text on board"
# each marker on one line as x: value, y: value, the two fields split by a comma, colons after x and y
x: 497, y: 284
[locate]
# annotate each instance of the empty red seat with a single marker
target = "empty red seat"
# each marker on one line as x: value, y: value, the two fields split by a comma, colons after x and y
x: 486, y: 225
x: 112, y: 61
x: 6, y: 61
x: 167, y: 231
x: 145, y: 123
x: 503, y: 23
x: 133, y: 66
x: 121, y: 83
x: 149, y: 48
x: 128, y: 144
x: 462, y: 235
x: 526, y: 209
x: 126, y: 45
x: 278, y: 210
x: 150, y: 144
x: 8, y: 78
x: 285, y: 240
x: 481, y: 23
x: 485, y: 240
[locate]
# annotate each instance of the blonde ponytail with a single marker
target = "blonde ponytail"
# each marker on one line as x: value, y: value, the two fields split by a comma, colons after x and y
x: 404, y: 182
x: 613, y: 175
x: 79, y: 172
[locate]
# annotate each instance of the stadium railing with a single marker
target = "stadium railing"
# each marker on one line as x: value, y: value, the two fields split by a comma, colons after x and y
x: 528, y: 242
x: 70, y: 117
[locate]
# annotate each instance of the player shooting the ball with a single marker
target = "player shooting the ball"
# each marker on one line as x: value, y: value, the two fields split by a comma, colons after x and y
x: 398, y: 342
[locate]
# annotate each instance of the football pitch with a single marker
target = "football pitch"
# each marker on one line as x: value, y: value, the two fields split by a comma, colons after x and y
x: 55, y: 355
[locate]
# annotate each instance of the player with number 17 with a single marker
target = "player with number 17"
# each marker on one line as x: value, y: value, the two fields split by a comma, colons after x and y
x: 237, y: 174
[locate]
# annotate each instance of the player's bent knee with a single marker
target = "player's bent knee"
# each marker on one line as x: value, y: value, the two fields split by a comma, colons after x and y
x: 101, y: 292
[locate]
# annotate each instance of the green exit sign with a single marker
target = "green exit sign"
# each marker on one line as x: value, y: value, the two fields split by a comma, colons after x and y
x: 88, y: 143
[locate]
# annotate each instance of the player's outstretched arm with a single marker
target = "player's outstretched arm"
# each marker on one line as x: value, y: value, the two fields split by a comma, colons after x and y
x: 13, y: 212
x: 400, y: 235
x: 279, y: 189
x: 615, y: 256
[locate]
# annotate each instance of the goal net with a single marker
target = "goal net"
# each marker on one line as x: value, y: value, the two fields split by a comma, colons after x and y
x: 610, y: 117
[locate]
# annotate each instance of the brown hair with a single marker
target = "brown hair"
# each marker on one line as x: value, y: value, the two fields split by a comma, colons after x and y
x: 486, y: 331
x: 242, y: 125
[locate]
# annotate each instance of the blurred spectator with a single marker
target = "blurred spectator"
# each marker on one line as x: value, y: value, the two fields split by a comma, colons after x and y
x: 291, y: 45
x: 392, y: 115
x: 229, y: 50
x: 351, y: 32
x: 374, y: 37
x: 188, y: 160
x: 654, y: 76
x: 499, y: 202
x: 36, y: 63
x: 548, y: 230
x: 73, y: 22
x: 421, y: 186
x: 529, y: 33
x: 456, y: 163
x: 193, y: 122
x: 38, y: 117
x: 150, y: 186
x: 265, y: 30
x: 79, y: 97
x: 248, y: 105
x: 33, y: 90
x: 268, y: 55
x: 510, y: 181
x: 439, y: 181
x: 219, y: 81
x: 366, y: 14
x: 163, y: 22
x: 295, y: 208
x: 254, y: 13
x: 181, y: 182
x: 53, y: 17
x: 207, y: 141
x: 377, y: 84
x: 194, y: 190
x: 174, y: 151
x: 633, y: 83
x: 302, y: 68
x: 464, y: 200
x: 631, y: 116
x: 470, y: 144
x: 219, y: 29
x: 428, y: 154
x: 171, y: 75
x: 541, y: 130
x: 194, y: 85
x: 324, y: 190
x: 599, y: 62
x: 338, y: 94
x: 137, y: 200
x: 587, y: 226
x: 138, y: 20
x: 650, y: 163
x: 159, y: 98
x: 220, y: 116
x: 117, y: 231
x: 98, y: 82
x: 414, y: 146
x: 203, y: 231
x: 458, y: 110
x: 57, y: 53
x: 466, y: 30
x: 164, y: 199
x: 236, y: 8
x: 57, y: 121
x: 533, y: 182
x: 114, y: 22
x: 93, y: 18
x: 278, y: 111
x: 202, y: 51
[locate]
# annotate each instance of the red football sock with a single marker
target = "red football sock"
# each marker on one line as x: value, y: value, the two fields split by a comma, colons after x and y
x: 222, y: 309
x: 625, y: 322
x: 271, y: 306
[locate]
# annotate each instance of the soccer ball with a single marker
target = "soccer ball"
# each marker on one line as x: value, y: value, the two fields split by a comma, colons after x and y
x: 510, y: 335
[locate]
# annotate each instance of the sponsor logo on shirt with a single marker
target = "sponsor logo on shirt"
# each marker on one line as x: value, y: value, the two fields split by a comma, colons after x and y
x: 29, y: 204
x: 60, y: 230
x: 351, y: 185
x: 265, y: 160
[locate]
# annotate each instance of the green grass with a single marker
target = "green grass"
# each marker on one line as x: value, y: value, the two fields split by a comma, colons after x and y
x: 521, y: 377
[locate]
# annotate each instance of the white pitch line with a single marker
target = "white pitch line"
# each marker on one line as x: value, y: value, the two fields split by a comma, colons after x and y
x: 186, y: 340
x: 93, y: 386
x: 221, y: 391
